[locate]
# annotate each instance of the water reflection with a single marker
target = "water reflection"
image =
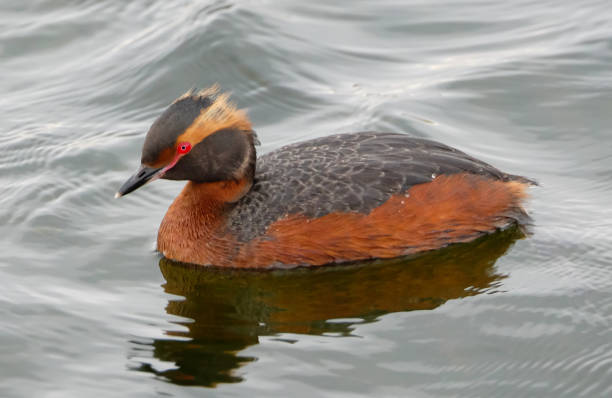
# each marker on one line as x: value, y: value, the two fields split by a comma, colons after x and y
x: 228, y: 310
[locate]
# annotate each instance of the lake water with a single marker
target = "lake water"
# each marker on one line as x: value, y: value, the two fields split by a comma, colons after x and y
x: 87, y: 308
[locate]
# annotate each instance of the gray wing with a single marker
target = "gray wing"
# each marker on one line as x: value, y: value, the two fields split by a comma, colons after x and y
x: 344, y: 173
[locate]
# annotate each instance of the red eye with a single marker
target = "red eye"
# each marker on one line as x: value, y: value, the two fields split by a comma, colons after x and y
x: 183, y: 148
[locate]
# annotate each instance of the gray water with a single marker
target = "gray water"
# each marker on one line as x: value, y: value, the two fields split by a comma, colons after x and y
x: 87, y: 308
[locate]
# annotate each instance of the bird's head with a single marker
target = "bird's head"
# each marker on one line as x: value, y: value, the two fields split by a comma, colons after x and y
x: 201, y: 137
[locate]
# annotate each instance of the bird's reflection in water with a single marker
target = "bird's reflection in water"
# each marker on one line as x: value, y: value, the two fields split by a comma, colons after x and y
x: 227, y: 310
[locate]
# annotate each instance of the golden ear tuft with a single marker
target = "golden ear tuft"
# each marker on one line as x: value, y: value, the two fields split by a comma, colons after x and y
x: 219, y: 115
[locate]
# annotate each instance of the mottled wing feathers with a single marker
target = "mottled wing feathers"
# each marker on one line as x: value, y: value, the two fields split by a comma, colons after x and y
x: 344, y: 173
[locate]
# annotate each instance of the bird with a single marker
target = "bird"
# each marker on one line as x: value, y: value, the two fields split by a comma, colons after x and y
x: 340, y: 198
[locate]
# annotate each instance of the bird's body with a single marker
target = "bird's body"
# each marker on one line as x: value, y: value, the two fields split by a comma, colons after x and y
x: 339, y: 198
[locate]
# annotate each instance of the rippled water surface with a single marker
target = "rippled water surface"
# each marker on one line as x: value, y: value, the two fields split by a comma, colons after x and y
x: 88, y: 307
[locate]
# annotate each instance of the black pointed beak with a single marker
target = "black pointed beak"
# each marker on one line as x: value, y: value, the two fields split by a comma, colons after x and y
x: 141, y: 177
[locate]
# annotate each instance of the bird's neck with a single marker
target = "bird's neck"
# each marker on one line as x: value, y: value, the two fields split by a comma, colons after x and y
x: 196, y: 219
